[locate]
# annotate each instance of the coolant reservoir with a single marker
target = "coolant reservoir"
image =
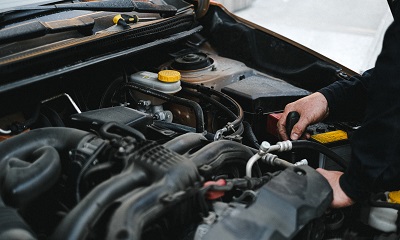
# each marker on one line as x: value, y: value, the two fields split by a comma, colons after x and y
x: 385, y: 219
x: 166, y: 81
x: 209, y: 69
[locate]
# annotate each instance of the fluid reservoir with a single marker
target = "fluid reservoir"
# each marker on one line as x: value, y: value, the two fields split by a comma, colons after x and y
x: 209, y: 69
x: 166, y: 81
x: 385, y: 219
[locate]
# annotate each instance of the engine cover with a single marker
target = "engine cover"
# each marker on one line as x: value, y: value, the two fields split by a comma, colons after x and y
x: 283, y: 207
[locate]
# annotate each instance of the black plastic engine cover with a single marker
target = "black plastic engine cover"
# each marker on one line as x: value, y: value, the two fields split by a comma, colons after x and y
x: 268, y: 94
x: 283, y: 207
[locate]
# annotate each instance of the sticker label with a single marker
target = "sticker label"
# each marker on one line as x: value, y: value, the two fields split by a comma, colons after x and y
x: 330, y: 137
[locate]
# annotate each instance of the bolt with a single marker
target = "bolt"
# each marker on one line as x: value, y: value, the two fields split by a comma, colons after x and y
x: 265, y: 146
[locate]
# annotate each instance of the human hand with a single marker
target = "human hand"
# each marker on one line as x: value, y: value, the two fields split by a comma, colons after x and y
x: 340, y: 199
x: 312, y: 109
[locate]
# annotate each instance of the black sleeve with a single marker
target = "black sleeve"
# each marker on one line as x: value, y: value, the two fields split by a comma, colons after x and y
x: 347, y: 98
x: 375, y: 164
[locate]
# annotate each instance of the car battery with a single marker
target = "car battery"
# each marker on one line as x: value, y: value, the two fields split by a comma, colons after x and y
x: 335, y: 136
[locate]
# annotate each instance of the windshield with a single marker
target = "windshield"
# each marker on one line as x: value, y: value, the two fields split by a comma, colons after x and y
x: 348, y: 32
x: 4, y: 4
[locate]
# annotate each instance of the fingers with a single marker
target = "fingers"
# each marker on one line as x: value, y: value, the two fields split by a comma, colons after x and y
x: 299, y: 128
x: 340, y: 199
x: 321, y: 171
x: 312, y: 109
x: 282, y: 126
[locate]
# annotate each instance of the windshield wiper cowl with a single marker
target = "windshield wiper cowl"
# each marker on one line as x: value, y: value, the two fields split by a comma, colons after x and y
x: 38, y: 29
x: 111, y: 6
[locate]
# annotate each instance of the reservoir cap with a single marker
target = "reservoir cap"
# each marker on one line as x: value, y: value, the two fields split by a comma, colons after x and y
x: 169, y: 76
x: 394, y: 197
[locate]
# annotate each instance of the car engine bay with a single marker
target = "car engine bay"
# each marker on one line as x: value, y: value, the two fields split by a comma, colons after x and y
x: 173, y: 138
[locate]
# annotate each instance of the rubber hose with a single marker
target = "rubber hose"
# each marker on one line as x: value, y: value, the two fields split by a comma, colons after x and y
x: 301, y: 144
x: 84, y: 168
x: 235, y: 118
x: 212, y: 101
x: 219, y: 105
x: 126, y: 130
x: 134, y: 213
x: 78, y: 222
x: 183, y: 143
x: 239, y: 110
x: 23, y: 184
x: 216, y: 153
x: 180, y: 128
x: 198, y: 112
x: 249, y: 134
x: 12, y: 226
x: 21, y: 146
x: 171, y: 176
x: 100, y: 169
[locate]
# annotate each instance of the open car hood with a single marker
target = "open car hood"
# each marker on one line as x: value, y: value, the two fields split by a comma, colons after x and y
x: 163, y: 128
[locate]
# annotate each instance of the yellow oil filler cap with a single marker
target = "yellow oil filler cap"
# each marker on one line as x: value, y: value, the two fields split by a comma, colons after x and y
x: 394, y: 197
x: 169, y: 76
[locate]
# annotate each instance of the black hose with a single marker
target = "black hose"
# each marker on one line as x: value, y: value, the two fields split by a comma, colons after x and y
x: 123, y: 131
x: 40, y: 142
x: 23, y: 184
x: 216, y: 153
x: 219, y: 105
x: 139, y: 209
x: 173, y: 178
x: 301, y: 144
x: 183, y: 143
x: 180, y: 128
x: 85, y: 167
x: 102, y: 169
x: 40, y: 174
x: 211, y: 100
x: 198, y: 112
x: 12, y: 226
x: 239, y: 110
x: 78, y: 222
x: 250, y: 136
x: 62, y: 139
x: 148, y: 164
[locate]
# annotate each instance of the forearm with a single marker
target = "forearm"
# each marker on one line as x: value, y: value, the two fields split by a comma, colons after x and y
x: 347, y: 99
x: 375, y: 164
